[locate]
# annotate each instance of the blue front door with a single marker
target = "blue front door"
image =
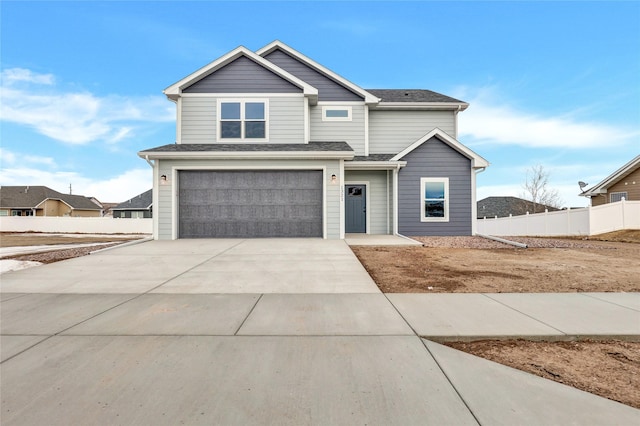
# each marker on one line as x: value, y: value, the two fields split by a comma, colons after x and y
x: 355, y: 209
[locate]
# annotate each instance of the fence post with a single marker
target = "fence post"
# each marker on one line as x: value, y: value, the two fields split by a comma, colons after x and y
x: 568, y: 220
x: 589, y: 231
x: 546, y: 222
x: 622, y: 204
x: 526, y: 224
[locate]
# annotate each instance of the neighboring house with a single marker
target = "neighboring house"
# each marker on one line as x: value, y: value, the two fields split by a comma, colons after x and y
x: 504, y: 206
x: 138, y: 207
x: 43, y: 201
x: 273, y: 144
x: 623, y: 183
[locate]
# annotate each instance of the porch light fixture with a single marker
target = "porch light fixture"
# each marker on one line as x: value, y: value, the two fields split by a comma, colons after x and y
x: 334, y: 180
x: 164, y: 180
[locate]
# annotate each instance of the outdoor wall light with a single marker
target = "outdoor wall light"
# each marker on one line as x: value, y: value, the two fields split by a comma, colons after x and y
x: 164, y: 180
x: 334, y: 180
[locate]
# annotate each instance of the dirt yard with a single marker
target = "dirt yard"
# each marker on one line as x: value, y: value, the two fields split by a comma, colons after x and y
x: 472, y: 265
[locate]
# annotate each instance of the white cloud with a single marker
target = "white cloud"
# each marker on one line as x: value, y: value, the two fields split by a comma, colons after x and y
x: 490, y: 120
x: 10, y: 157
x: 76, y: 117
x: 14, y: 75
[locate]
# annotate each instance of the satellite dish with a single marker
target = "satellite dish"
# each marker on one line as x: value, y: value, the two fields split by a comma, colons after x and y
x: 582, y: 184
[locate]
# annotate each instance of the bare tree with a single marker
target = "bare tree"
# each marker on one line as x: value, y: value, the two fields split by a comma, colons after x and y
x: 537, y: 192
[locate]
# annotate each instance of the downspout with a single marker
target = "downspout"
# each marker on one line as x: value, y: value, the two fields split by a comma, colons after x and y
x: 154, y: 196
x: 395, y: 199
x: 474, y: 203
x: 455, y: 121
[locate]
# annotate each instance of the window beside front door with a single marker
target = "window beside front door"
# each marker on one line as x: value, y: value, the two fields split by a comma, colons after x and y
x: 240, y: 120
x: 434, y: 203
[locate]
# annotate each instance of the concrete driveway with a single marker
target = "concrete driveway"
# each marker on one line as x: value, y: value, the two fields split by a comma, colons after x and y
x: 240, y: 332
x: 204, y: 266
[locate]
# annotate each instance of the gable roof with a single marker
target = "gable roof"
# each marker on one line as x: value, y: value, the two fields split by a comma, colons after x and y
x: 476, y: 160
x: 175, y: 90
x: 30, y: 197
x: 505, y: 206
x: 139, y: 202
x: 612, y: 179
x: 278, y: 45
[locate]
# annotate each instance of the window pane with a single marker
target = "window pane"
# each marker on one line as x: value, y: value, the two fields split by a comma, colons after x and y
x: 340, y: 113
x: 230, y: 111
x: 230, y: 129
x: 434, y: 209
x: 254, y: 110
x: 434, y: 190
x: 254, y: 129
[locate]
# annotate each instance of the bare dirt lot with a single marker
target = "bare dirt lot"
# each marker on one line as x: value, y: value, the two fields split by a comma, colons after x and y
x: 55, y: 255
x: 473, y: 265
x: 610, y: 369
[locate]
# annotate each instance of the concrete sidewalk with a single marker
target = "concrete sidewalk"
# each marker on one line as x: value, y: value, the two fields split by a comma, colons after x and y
x: 141, y: 349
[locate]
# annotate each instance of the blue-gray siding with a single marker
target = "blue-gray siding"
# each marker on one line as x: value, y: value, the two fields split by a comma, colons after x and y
x: 328, y: 90
x: 435, y: 159
x: 242, y: 76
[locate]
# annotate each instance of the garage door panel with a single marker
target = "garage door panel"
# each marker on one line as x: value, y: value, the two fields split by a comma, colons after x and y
x: 246, y: 204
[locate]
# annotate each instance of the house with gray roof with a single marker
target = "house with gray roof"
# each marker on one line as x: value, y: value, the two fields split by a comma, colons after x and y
x: 491, y: 207
x: 138, y: 207
x: 273, y: 144
x: 624, y: 183
x: 44, y: 201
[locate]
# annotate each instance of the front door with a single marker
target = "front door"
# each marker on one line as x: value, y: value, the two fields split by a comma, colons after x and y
x: 355, y: 209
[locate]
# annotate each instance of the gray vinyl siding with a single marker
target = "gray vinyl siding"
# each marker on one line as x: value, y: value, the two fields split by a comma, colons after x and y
x: 166, y: 201
x: 351, y: 132
x: 242, y: 76
x: 435, y: 159
x: 393, y: 131
x: 377, y: 195
x: 286, y: 119
x: 328, y: 90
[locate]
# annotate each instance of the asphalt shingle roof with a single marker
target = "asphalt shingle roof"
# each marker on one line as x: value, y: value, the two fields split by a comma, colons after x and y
x: 30, y: 196
x: 411, y: 95
x: 504, y: 206
x: 373, y: 157
x: 139, y: 202
x: 242, y: 147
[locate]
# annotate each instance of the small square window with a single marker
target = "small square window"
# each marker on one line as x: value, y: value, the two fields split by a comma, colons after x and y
x: 617, y: 196
x: 242, y: 120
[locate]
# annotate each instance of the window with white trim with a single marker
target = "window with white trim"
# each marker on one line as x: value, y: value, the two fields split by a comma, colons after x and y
x: 240, y: 120
x: 336, y: 113
x: 434, y: 202
x: 617, y: 196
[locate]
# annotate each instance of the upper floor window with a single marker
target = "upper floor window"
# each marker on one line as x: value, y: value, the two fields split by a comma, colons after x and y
x: 336, y: 113
x: 242, y: 119
x: 434, y: 205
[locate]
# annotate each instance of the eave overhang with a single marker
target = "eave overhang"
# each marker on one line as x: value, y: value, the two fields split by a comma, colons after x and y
x: 248, y: 155
x: 477, y: 162
x: 421, y: 106
x: 174, y: 91
x: 374, y: 165
x: 612, y: 179
x: 277, y: 44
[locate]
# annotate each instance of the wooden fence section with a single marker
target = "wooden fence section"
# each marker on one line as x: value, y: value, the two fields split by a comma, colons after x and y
x: 80, y: 225
x: 587, y: 221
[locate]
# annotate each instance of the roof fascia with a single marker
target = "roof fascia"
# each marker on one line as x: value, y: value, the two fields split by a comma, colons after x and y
x: 374, y: 165
x: 476, y: 160
x: 247, y: 155
x: 601, y: 187
x: 277, y: 44
x: 457, y: 106
x: 175, y: 90
x: 56, y: 199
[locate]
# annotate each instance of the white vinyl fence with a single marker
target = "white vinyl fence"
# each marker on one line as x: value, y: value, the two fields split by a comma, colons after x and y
x: 587, y: 221
x: 80, y: 225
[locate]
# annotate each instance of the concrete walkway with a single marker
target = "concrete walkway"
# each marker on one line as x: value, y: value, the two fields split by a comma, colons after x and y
x: 144, y: 335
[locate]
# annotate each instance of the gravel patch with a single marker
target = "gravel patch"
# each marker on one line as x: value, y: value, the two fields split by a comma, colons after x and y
x: 484, y: 243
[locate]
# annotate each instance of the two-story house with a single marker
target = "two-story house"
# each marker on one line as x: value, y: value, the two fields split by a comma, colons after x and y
x: 273, y: 144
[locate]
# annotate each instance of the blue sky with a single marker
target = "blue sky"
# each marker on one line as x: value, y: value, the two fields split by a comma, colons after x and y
x: 549, y: 83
